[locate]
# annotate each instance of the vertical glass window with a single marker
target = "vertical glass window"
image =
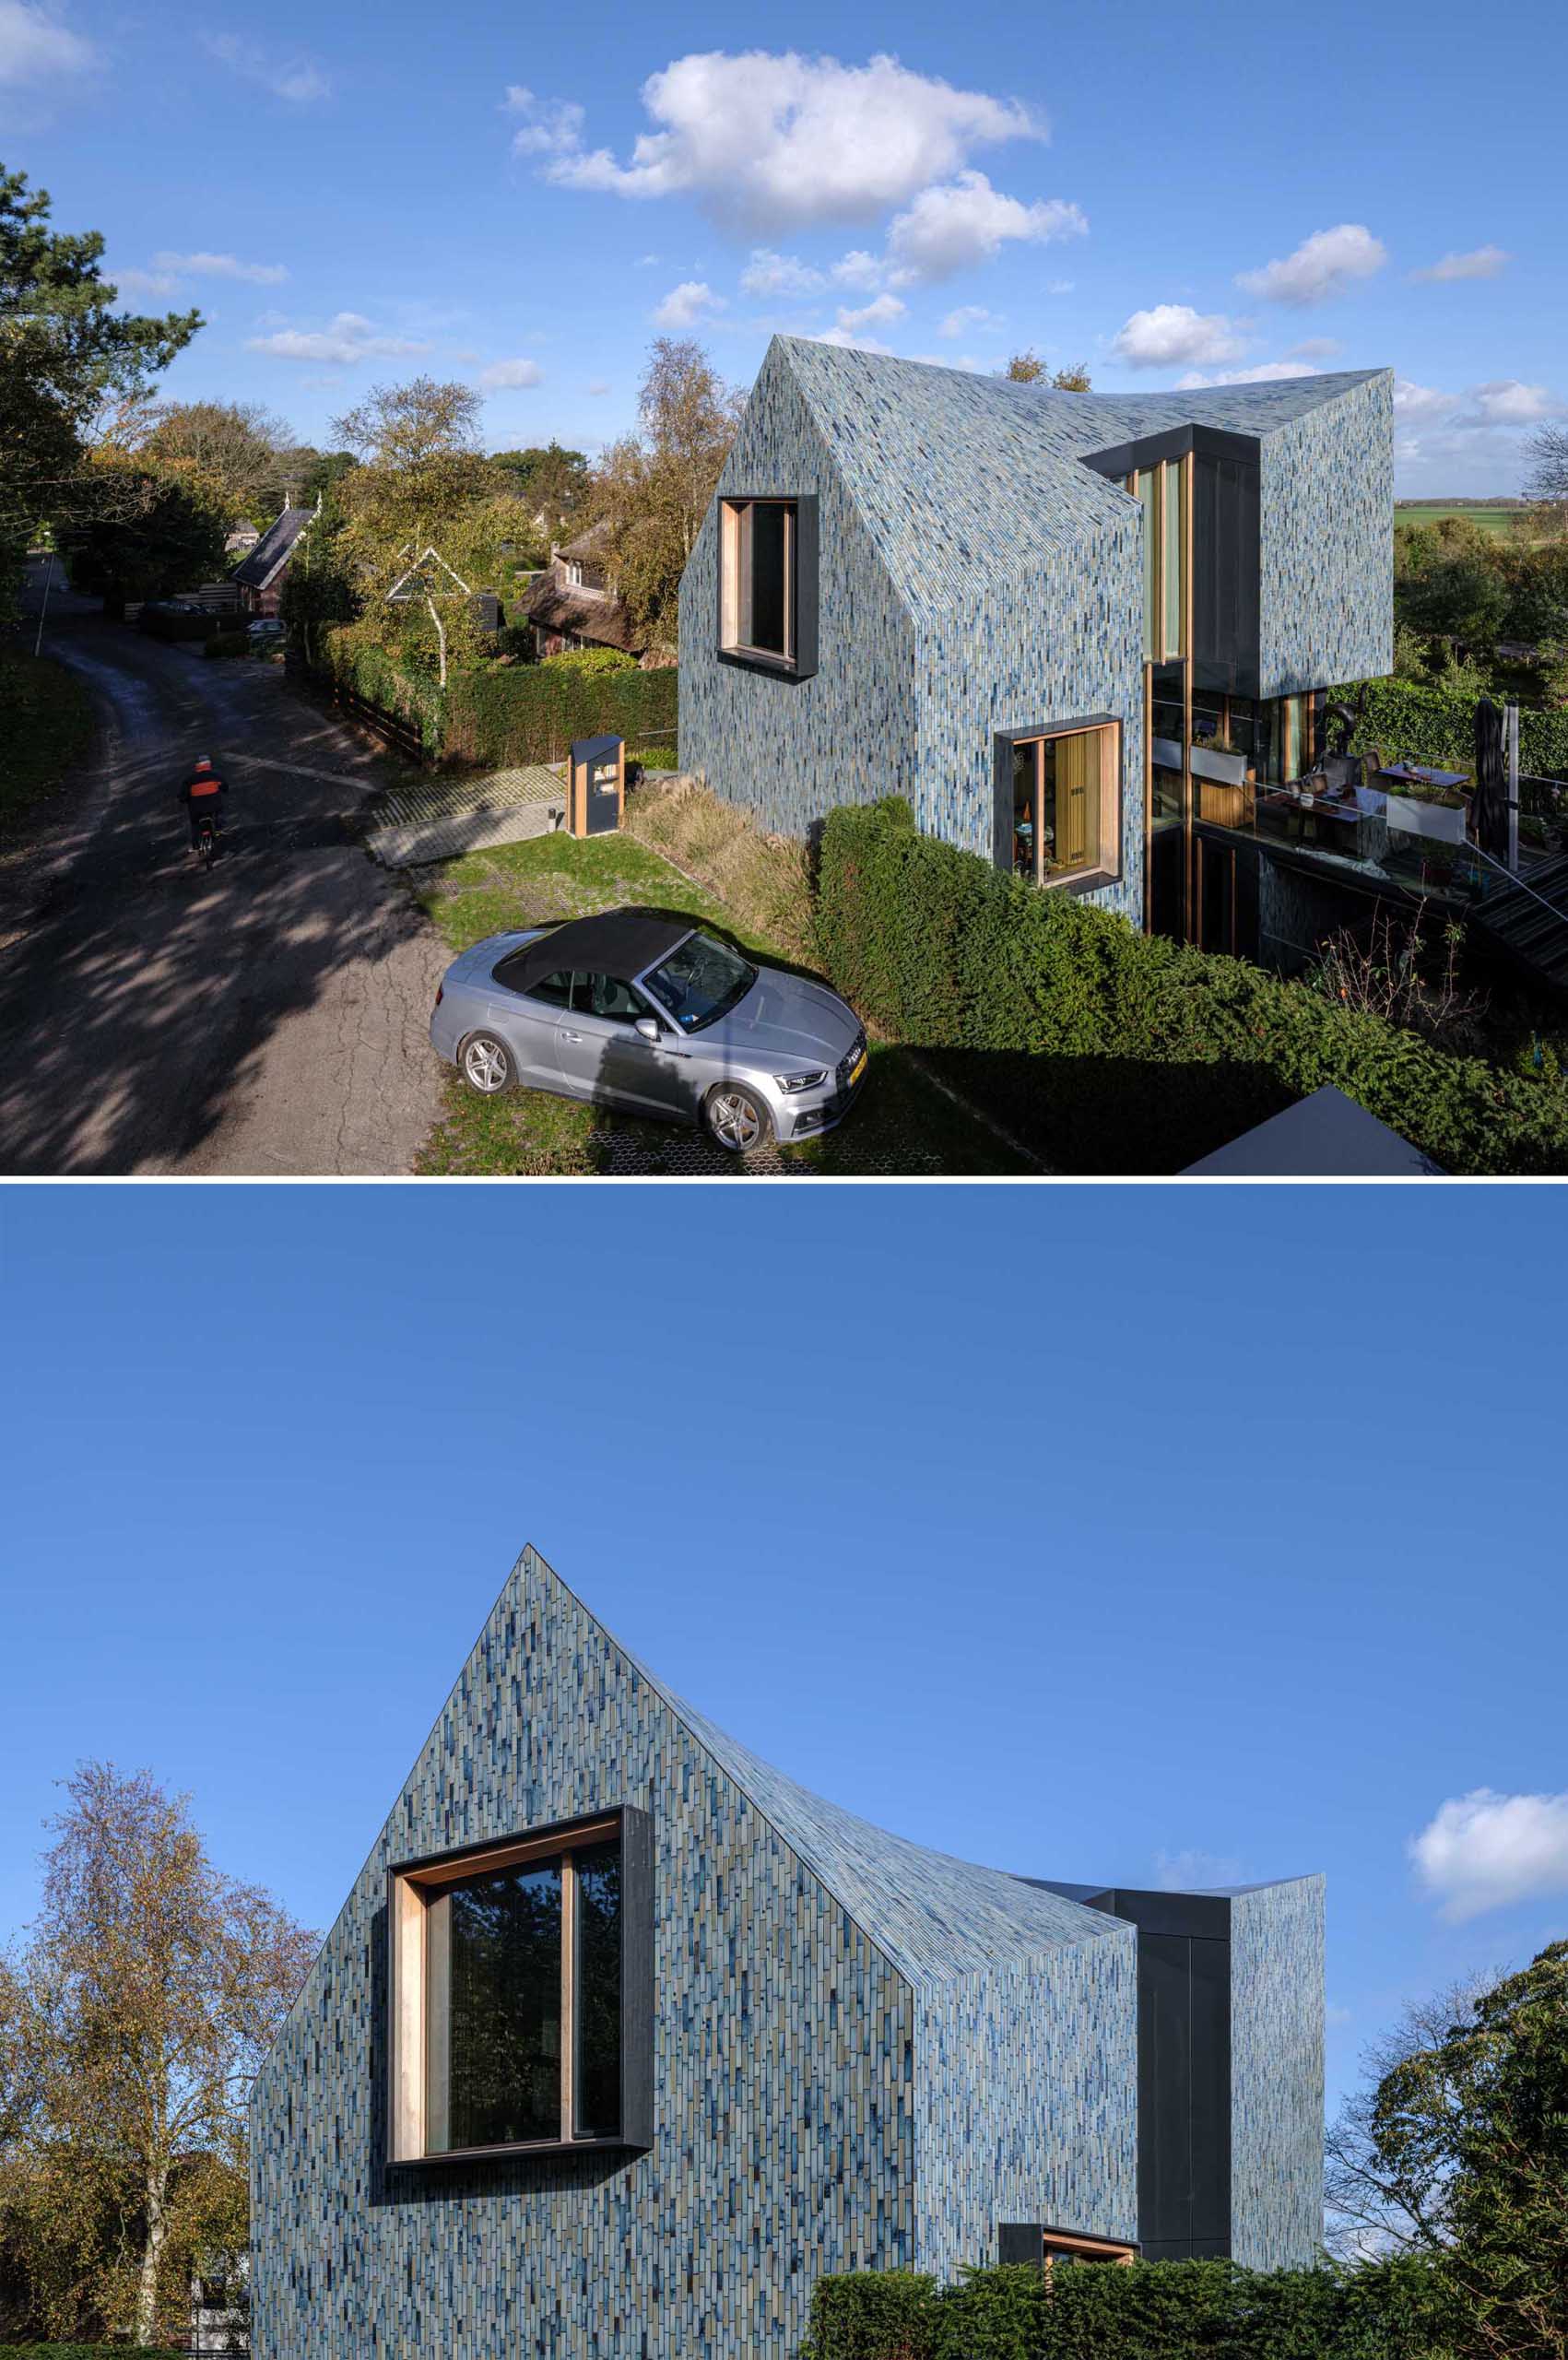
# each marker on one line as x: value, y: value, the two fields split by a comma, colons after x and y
x: 1064, y: 804
x: 1071, y: 788
x: 1147, y: 489
x: 757, y: 555
x: 1175, y: 571
x: 767, y: 583
x: 1025, y: 836
x: 597, y: 1999
x: 503, y: 2076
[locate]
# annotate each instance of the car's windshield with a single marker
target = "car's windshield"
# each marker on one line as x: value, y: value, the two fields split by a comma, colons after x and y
x: 701, y: 981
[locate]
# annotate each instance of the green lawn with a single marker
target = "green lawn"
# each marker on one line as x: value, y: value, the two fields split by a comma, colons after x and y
x: 47, y: 729
x: 1500, y: 521
x: 902, y: 1123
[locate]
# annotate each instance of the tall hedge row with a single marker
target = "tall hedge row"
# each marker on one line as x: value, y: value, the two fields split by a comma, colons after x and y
x: 1161, y: 2310
x: 507, y: 715
x: 1405, y: 719
x: 1107, y: 1050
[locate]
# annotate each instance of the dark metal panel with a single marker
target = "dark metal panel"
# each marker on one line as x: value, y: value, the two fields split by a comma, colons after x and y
x: 1227, y: 572
x: 1203, y: 1914
x: 636, y: 1977
x: 1209, y: 2091
x: 1125, y: 458
x: 1021, y: 2241
x: 1164, y: 2088
x: 806, y: 585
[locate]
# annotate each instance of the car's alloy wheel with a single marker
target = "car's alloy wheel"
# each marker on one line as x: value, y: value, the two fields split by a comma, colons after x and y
x: 487, y: 1065
x: 737, y: 1119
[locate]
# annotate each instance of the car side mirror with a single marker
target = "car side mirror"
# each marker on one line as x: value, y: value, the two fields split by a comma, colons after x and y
x: 648, y: 1029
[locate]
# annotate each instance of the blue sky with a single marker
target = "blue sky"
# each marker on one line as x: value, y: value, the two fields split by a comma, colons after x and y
x: 1122, y: 1533
x: 522, y: 198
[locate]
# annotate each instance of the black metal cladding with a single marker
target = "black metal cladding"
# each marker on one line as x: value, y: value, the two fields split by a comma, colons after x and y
x: 1226, y: 545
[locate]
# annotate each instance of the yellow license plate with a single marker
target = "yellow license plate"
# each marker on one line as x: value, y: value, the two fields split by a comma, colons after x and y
x: 856, y: 1070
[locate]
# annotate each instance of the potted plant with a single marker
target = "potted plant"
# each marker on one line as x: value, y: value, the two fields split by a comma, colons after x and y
x: 1214, y: 759
x: 1440, y: 812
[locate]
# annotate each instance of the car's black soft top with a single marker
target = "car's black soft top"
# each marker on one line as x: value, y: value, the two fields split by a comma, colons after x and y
x: 617, y: 942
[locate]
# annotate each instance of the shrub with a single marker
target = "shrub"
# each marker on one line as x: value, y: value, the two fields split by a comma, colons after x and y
x: 593, y: 660
x: 1107, y: 1050
x: 507, y: 715
x: 227, y: 642
x: 1429, y: 725
x: 162, y: 622
x: 1155, y: 2311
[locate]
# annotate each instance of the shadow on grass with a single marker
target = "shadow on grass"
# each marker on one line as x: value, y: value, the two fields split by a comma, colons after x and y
x: 1121, y: 1117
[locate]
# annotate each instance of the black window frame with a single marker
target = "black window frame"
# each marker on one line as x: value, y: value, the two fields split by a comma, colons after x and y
x: 801, y: 665
x: 632, y: 1830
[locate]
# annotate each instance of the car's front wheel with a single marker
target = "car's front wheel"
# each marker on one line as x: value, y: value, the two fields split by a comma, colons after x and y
x: 487, y: 1065
x: 737, y: 1119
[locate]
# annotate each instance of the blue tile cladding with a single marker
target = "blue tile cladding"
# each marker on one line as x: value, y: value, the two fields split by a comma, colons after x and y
x: 976, y: 576
x: 867, y: 2054
x: 1276, y: 2074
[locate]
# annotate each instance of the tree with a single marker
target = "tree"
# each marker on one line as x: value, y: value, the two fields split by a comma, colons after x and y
x: 1476, y: 2122
x: 651, y: 490
x: 158, y: 526
x: 412, y: 425
x: 148, y: 1995
x: 551, y: 481
x: 1028, y: 369
x: 1547, y: 450
x: 71, y: 366
x: 240, y: 445
x: 1376, y: 2202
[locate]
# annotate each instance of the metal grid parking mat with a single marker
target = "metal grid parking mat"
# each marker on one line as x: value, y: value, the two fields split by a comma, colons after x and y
x: 647, y: 1152
x: 436, y: 823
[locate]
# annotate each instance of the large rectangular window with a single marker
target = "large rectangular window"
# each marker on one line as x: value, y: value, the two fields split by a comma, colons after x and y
x: 521, y: 2000
x: 1065, y: 788
x: 1161, y: 493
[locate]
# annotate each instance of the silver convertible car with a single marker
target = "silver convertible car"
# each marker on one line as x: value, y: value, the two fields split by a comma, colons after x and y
x: 651, y: 1015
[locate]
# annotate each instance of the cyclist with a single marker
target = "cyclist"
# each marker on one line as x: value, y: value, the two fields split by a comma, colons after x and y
x: 199, y: 795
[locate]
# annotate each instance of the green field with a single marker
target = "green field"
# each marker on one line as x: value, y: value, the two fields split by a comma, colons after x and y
x: 1432, y: 512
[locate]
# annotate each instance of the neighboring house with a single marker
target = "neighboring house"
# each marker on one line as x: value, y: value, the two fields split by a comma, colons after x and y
x: 571, y: 605
x: 260, y: 576
x: 621, y: 2039
x: 1085, y: 634
x: 240, y: 540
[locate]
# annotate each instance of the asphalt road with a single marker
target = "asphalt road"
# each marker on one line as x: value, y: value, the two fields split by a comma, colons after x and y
x: 268, y: 1017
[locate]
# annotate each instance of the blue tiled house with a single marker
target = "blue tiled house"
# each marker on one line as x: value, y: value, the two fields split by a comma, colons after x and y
x: 622, y: 2039
x: 1084, y: 634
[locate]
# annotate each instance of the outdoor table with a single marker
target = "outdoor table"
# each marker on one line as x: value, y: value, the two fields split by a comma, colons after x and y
x: 1417, y: 774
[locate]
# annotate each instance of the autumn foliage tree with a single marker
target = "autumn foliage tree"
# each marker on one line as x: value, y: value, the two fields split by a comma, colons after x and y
x: 132, y: 2023
x: 652, y: 487
x: 1028, y: 369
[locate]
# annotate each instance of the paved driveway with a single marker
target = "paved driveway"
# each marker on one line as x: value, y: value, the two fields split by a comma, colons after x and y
x: 269, y: 1016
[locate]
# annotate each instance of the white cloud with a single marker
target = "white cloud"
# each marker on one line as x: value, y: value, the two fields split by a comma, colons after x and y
x: 684, y: 306
x: 857, y: 269
x: 597, y: 386
x: 948, y: 229
x: 296, y: 78
x: 202, y: 266
x: 1482, y: 262
x: 1505, y: 402
x: 1173, y: 332
x: 772, y: 138
x: 1060, y: 287
x: 134, y: 283
x: 36, y: 47
x: 1322, y: 266
x: 1315, y: 347
x: 347, y: 337
x: 509, y: 374
x: 968, y: 315
x: 1264, y: 373
x: 549, y: 126
x: 875, y: 314
x: 1484, y: 1850
x: 1194, y: 1871
x: 1415, y: 402
x: 851, y: 338
x: 771, y: 273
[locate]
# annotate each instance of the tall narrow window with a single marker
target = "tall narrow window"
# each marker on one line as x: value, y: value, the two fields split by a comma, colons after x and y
x: 1148, y: 495
x: 521, y: 1995
x: 768, y: 584
x: 1172, y: 541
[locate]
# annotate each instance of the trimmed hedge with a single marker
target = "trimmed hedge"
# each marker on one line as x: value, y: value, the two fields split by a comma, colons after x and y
x: 1154, y: 2310
x: 1109, y: 1050
x: 1405, y: 719
x: 227, y: 642
x: 503, y: 714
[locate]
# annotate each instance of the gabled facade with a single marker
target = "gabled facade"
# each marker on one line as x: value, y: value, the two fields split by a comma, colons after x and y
x: 622, y: 2039
x: 1023, y: 610
x: 260, y: 574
